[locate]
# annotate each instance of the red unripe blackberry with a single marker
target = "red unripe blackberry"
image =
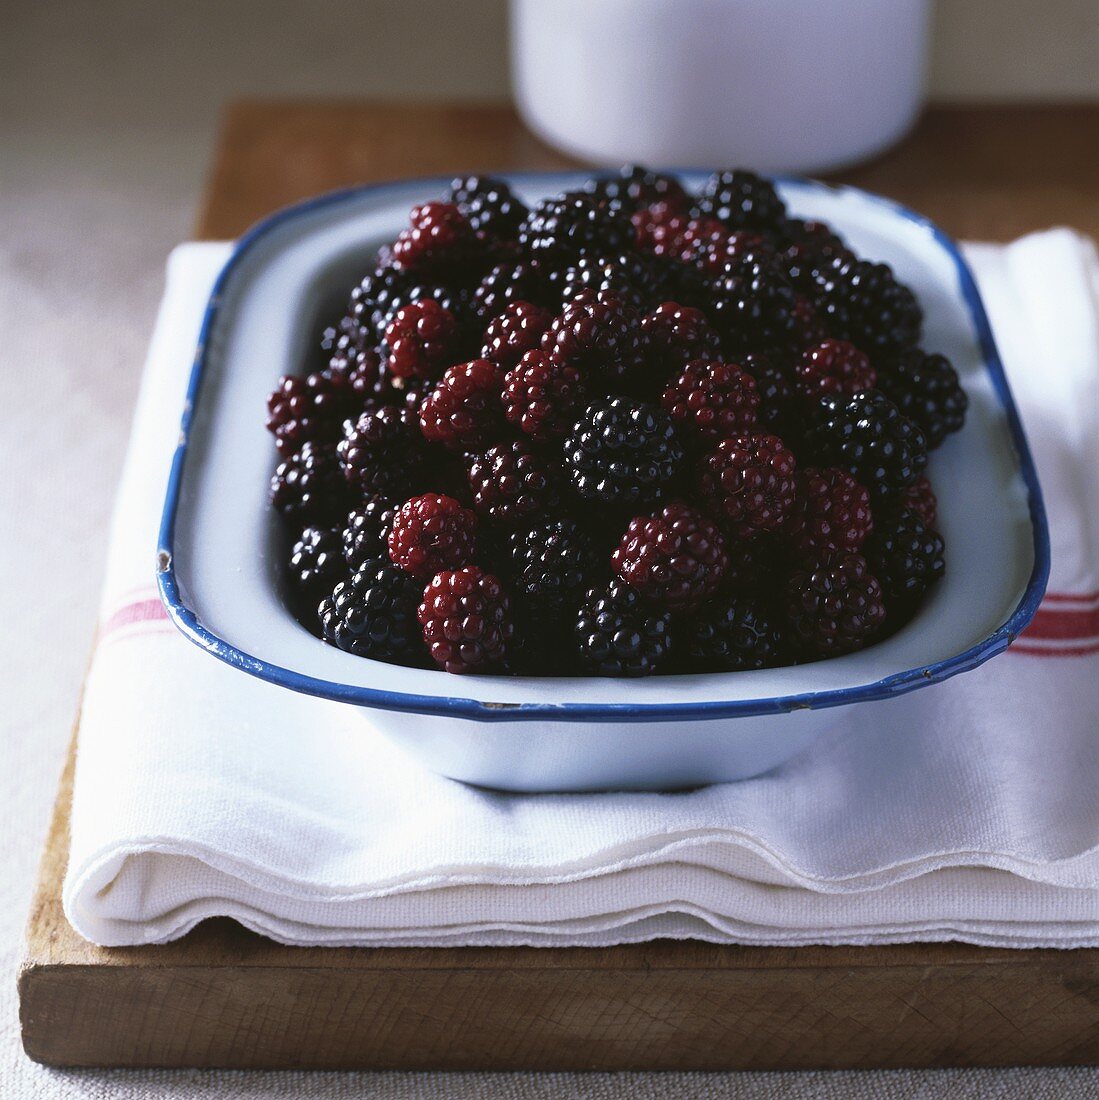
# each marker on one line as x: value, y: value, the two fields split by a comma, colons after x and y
x: 439, y: 236
x: 660, y: 229
x: 834, y: 366
x: 701, y: 237
x: 510, y: 484
x: 312, y: 408
x: 422, y: 340
x: 676, y: 334
x: 715, y: 250
x: 430, y: 533
x: 514, y: 332
x: 465, y: 615
x: 748, y: 483
x: 382, y: 453
x: 599, y: 335
x: 832, y: 512
x: 675, y: 559
x: 464, y: 411
x: 712, y: 401
x: 834, y: 605
x: 542, y: 397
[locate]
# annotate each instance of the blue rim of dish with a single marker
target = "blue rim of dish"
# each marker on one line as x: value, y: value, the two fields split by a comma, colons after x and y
x: 187, y: 621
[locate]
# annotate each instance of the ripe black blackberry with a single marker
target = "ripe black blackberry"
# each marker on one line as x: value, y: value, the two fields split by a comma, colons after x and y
x: 373, y: 300
x: 618, y: 633
x: 466, y: 619
x: 734, y: 633
x: 926, y: 389
x: 741, y: 200
x: 560, y: 228
x: 630, y: 276
x: 373, y: 614
x: 834, y: 605
x: 752, y: 305
x: 383, y: 454
x: 623, y: 452
x: 312, y: 408
x: 600, y: 335
x: 864, y: 303
x: 869, y: 437
x: 905, y: 555
x: 308, y: 487
x: 635, y: 187
x: 509, y: 282
x: 315, y: 566
x: 553, y: 563
x: 489, y: 206
x: 361, y: 367
x: 366, y: 531
x: 511, y: 484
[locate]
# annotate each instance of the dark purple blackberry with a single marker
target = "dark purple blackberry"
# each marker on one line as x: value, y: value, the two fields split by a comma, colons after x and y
x: 507, y: 283
x: 619, y: 634
x: 635, y: 187
x: 741, y: 200
x: 374, y: 299
x: 780, y: 410
x: 311, y: 408
x: 308, y: 488
x: 905, y: 556
x: 805, y: 246
x: 926, y: 389
x: 360, y: 366
x: 553, y: 564
x: 870, y: 438
x: 600, y: 335
x: 676, y: 334
x: 489, y: 206
x: 373, y: 614
x: 511, y: 484
x: 834, y: 605
x: 733, y: 633
x: 513, y: 332
x: 752, y: 305
x: 315, y: 566
x: 864, y: 303
x: 623, y: 452
x: 560, y: 228
x: 366, y: 532
x: 631, y: 276
x: 383, y: 453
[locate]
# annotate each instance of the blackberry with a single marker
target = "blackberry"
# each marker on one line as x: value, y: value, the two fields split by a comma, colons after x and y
x: 439, y: 236
x: 373, y: 300
x: 507, y: 283
x: 832, y: 512
x: 741, y: 200
x: 514, y: 332
x: 747, y: 481
x: 834, y: 366
x: 366, y: 532
x: 718, y: 249
x: 863, y: 302
x: 675, y: 559
x: 920, y: 498
x: 834, y: 605
x: 542, y: 397
x: 623, y: 452
x: 383, y: 454
x: 675, y: 334
x: 312, y: 408
x: 599, y: 335
x: 307, y: 487
x: 926, y: 389
x: 431, y: 533
x: 561, y: 228
x: 619, y: 634
x: 464, y: 411
x: 510, y: 484
x: 358, y: 367
x: 553, y: 563
x: 752, y: 305
x: 373, y: 614
x: 421, y: 341
x: 735, y: 633
x: 316, y: 564
x: 661, y: 230
x: 806, y: 246
x: 489, y: 206
x: 779, y: 403
x: 630, y: 276
x: 869, y: 437
x: 906, y: 557
x: 635, y: 187
x: 466, y: 620
x: 712, y: 401
x: 455, y: 299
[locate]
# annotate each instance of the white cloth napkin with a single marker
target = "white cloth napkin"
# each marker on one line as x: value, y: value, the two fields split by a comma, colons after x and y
x: 965, y: 811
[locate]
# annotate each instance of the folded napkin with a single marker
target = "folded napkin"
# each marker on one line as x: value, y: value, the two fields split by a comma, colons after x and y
x: 965, y: 811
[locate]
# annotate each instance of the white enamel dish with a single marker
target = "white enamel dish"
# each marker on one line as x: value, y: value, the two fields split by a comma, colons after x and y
x: 218, y: 569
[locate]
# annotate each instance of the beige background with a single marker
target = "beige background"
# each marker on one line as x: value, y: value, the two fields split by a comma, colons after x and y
x: 107, y: 112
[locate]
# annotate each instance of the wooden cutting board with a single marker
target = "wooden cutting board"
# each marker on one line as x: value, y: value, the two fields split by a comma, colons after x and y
x: 224, y: 997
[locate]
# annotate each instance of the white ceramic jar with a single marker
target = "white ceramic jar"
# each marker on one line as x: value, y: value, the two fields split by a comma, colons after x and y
x: 777, y: 85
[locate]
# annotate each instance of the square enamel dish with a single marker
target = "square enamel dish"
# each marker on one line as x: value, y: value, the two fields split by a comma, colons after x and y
x: 218, y: 565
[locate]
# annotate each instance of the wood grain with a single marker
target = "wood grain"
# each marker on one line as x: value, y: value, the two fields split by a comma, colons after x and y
x: 224, y: 997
